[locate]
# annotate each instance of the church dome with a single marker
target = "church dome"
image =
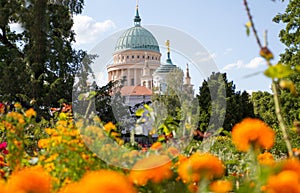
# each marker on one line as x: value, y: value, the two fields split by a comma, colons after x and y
x: 166, y: 68
x: 137, y: 38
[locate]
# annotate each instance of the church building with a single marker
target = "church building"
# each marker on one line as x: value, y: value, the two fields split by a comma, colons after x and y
x: 137, y: 61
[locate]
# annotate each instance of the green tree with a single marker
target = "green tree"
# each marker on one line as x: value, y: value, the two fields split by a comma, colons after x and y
x: 217, y: 98
x: 264, y: 109
x: 289, y: 36
x: 39, y: 63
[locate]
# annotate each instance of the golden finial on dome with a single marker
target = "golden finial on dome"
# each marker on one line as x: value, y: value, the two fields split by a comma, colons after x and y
x: 168, y: 45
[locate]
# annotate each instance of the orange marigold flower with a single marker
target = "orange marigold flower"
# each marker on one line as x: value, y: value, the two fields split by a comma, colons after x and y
x: 285, y: 181
x: 254, y: 132
x: 156, y: 146
x: 104, y: 181
x: 30, y: 113
x: 109, y: 126
x: 292, y: 164
x: 193, y: 187
x: 266, y: 159
x: 200, y: 166
x: 186, y: 172
x: 43, y: 143
x: 3, y: 187
x: 17, y: 105
x: 33, y: 180
x: 155, y: 168
x: 221, y: 186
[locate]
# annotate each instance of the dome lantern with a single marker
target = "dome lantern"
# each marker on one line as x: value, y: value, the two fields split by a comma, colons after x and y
x: 137, y: 19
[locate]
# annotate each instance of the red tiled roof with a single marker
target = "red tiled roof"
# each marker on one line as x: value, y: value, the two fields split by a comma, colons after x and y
x: 135, y: 91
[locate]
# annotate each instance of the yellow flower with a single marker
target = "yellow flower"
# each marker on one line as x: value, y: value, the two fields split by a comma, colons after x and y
x: 103, y: 181
x: 200, y: 166
x: 50, y: 166
x: 16, y: 117
x: 221, y: 186
x: 284, y: 182
x: 266, y: 159
x: 109, y: 126
x: 252, y: 132
x: 33, y: 180
x: 155, y: 168
x: 52, y: 157
x: 30, y: 113
x: 17, y: 105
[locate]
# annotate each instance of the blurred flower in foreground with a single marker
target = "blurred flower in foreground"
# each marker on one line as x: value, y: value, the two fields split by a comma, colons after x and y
x: 292, y: 164
x: 200, y: 166
x: 285, y: 181
x: 221, y: 186
x: 33, y: 180
x: 252, y: 132
x: 155, y: 168
x: 104, y: 181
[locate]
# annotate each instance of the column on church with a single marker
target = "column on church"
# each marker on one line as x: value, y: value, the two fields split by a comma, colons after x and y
x: 135, y: 76
x: 128, y: 78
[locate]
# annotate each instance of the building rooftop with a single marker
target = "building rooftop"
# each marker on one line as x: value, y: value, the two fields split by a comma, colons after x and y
x: 135, y: 91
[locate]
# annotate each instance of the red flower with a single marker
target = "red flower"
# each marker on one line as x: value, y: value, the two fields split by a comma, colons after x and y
x: 3, y: 145
x: 5, y: 152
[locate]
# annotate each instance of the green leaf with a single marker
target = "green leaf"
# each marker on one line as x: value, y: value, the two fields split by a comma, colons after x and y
x: 82, y: 97
x: 297, y: 68
x: 247, y: 31
x: 248, y: 26
x: 139, y: 112
x: 92, y: 94
x: 278, y: 71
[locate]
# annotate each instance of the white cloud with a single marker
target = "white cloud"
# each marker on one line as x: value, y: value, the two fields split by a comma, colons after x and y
x: 205, y: 56
x: 254, y: 63
x: 227, y: 51
x: 87, y: 29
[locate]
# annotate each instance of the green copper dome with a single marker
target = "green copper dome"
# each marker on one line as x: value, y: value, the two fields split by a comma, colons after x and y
x: 137, y: 38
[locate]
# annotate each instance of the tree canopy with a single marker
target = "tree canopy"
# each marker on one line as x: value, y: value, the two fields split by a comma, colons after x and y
x: 38, y: 64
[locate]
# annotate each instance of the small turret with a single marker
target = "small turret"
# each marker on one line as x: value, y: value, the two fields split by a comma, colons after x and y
x: 187, y: 80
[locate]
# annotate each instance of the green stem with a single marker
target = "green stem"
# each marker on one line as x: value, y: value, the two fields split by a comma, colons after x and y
x: 274, y: 89
x: 280, y: 118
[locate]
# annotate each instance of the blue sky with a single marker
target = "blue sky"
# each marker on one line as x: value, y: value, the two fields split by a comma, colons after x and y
x: 217, y: 25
